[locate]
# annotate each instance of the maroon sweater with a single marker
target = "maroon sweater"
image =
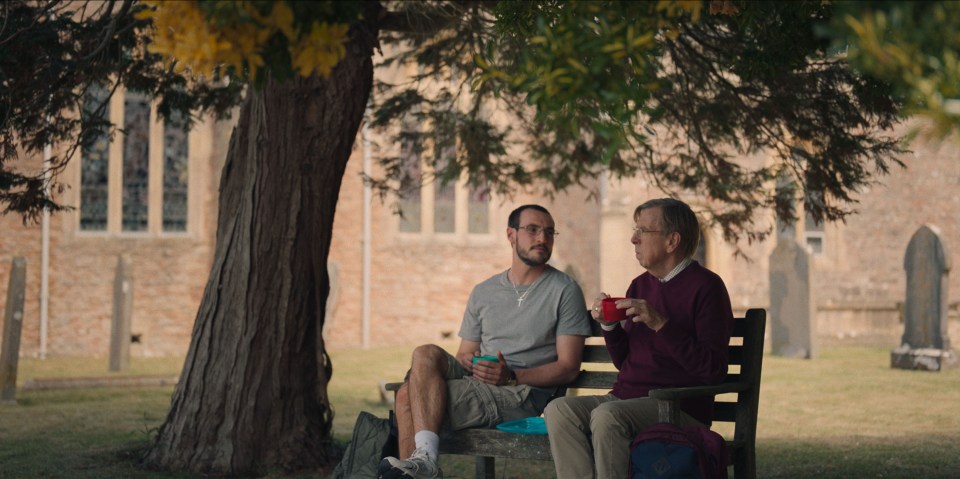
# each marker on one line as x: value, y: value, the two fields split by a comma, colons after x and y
x: 689, y: 350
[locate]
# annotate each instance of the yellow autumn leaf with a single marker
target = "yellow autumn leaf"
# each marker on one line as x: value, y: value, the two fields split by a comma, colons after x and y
x: 282, y: 18
x: 644, y: 39
x: 575, y: 64
x: 612, y: 47
x: 321, y: 50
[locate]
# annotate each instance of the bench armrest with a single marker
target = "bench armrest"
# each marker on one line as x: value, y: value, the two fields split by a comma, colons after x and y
x: 667, y: 409
x: 673, y: 394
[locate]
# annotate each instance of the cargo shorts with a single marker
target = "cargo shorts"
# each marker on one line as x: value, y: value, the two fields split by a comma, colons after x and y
x: 471, y: 403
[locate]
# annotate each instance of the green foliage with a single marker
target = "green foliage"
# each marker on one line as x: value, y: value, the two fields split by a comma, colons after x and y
x: 648, y: 88
x: 52, y: 53
x: 545, y: 95
x: 913, y: 46
x: 761, y: 81
x: 582, y: 66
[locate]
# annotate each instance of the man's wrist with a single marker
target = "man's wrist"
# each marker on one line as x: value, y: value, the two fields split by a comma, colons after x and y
x: 609, y: 326
x: 512, y: 379
x: 663, y: 322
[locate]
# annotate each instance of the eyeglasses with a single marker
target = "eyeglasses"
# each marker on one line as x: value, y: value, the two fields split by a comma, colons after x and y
x: 534, y: 230
x: 641, y: 231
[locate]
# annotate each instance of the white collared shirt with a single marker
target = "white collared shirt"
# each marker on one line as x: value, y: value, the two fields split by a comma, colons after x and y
x: 680, y: 267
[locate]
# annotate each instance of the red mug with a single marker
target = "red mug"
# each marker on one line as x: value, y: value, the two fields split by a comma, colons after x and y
x: 610, y: 311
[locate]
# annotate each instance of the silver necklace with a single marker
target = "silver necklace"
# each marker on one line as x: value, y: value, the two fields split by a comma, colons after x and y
x: 520, y: 297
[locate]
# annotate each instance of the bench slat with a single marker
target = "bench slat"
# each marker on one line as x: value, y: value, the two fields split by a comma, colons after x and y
x: 594, y: 380
x: 596, y: 354
x: 496, y: 443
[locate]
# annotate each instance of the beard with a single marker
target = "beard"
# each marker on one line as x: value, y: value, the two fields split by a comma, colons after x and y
x: 531, y: 260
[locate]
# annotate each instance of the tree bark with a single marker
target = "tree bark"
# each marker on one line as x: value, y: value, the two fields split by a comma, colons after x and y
x: 253, y: 391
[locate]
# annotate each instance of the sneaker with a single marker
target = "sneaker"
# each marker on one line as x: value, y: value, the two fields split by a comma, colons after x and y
x: 418, y: 466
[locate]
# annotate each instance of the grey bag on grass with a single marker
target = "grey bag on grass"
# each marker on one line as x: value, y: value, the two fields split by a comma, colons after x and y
x: 373, y: 439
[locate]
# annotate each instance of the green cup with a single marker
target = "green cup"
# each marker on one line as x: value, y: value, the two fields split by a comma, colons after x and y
x: 485, y: 358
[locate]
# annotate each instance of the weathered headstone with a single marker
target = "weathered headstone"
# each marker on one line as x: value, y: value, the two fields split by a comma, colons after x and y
x: 792, y: 305
x: 12, y: 325
x: 122, y: 313
x: 925, y: 344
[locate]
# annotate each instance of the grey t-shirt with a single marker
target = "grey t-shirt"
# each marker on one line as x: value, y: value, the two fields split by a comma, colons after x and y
x: 526, y: 334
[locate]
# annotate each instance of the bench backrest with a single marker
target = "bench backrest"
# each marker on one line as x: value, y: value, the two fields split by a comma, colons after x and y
x: 595, y: 354
x: 746, y: 359
x: 748, y: 355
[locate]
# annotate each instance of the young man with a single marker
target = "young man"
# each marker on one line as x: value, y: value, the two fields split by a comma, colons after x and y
x: 531, y: 317
x: 676, y: 334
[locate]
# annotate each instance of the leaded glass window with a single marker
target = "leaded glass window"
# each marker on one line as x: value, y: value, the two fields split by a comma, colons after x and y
x: 813, y: 231
x: 175, y: 174
x: 478, y: 210
x: 457, y: 209
x: 136, y: 161
x: 445, y: 194
x: 94, y: 162
x: 410, y: 184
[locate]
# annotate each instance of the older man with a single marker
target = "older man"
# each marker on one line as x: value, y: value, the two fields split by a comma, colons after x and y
x: 676, y: 334
x: 531, y: 318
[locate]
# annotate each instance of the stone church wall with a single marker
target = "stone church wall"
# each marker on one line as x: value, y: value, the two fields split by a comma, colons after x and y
x: 419, y: 283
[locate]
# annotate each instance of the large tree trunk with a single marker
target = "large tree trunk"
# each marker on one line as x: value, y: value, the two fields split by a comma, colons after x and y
x: 253, y: 392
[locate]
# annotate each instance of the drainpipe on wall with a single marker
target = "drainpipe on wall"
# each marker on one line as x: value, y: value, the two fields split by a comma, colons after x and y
x: 45, y: 256
x: 604, y: 188
x: 367, y: 198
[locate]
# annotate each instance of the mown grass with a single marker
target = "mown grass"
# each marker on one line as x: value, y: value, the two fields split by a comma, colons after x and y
x: 845, y: 414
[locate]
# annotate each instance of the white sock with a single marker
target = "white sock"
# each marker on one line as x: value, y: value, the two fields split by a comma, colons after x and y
x: 429, y: 441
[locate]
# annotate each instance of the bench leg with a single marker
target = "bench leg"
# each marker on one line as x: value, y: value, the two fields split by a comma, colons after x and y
x: 486, y: 469
x: 746, y: 465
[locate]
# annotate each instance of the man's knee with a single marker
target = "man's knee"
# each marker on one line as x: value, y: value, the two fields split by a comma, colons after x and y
x: 430, y: 356
x: 606, y: 419
x: 551, y: 412
x: 559, y: 413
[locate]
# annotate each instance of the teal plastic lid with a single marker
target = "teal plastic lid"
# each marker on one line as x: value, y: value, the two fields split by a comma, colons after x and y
x: 527, y: 425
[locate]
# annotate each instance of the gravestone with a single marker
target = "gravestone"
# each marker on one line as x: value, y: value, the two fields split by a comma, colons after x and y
x: 792, y: 305
x: 122, y: 313
x: 925, y: 344
x: 12, y: 326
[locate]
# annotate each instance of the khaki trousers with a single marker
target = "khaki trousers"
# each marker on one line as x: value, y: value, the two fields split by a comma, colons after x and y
x: 590, y: 435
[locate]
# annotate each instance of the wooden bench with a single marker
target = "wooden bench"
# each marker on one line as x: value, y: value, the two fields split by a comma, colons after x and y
x: 743, y: 381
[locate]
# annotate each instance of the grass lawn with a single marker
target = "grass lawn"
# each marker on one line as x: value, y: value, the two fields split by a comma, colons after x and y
x: 844, y: 415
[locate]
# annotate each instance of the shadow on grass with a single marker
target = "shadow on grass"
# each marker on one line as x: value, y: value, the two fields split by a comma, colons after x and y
x: 906, y: 457
x: 872, y: 420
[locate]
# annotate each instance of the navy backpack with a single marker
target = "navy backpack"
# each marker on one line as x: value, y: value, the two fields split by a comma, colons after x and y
x: 665, y: 451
